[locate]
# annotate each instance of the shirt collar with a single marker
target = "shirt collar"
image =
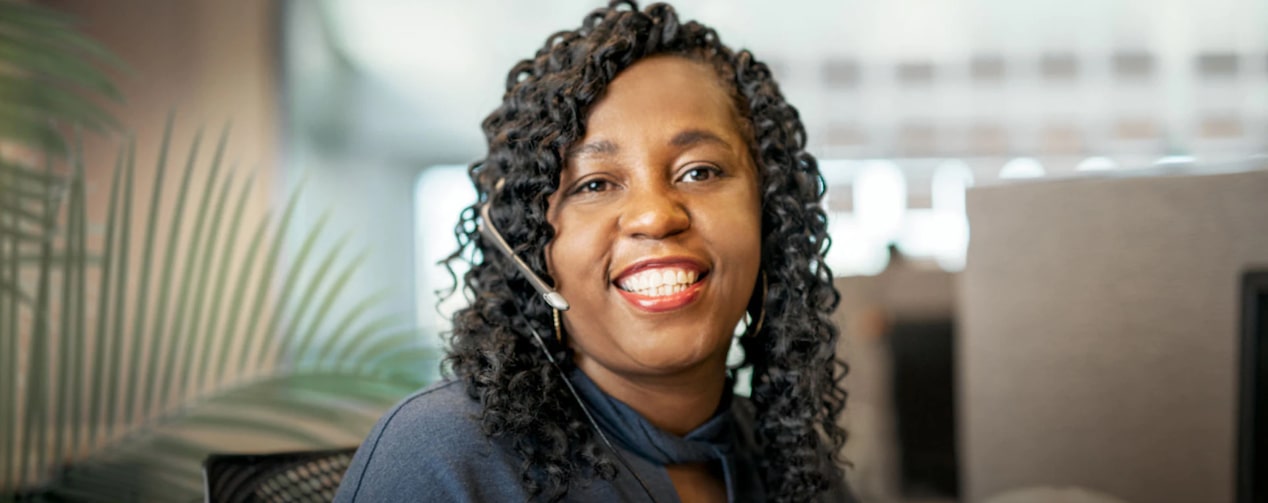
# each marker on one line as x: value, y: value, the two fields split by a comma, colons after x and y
x: 624, y: 426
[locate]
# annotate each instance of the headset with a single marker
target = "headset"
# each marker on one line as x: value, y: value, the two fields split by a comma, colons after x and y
x: 552, y: 297
x: 557, y: 301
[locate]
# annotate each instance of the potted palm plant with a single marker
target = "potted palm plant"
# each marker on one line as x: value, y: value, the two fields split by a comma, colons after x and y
x: 135, y: 343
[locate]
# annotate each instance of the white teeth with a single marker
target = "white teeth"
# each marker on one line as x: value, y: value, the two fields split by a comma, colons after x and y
x: 659, y: 282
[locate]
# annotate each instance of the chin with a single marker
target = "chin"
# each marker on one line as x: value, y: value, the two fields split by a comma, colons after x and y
x: 669, y: 355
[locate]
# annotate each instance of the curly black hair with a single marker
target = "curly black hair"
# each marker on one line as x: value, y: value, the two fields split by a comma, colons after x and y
x: 795, y: 386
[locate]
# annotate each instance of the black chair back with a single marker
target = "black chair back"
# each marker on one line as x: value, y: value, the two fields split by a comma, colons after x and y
x: 308, y: 476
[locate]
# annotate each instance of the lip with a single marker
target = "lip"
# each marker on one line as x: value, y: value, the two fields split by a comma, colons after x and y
x: 663, y: 303
x: 666, y: 302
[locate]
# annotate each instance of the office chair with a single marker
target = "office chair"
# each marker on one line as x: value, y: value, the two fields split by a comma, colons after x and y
x: 306, y: 476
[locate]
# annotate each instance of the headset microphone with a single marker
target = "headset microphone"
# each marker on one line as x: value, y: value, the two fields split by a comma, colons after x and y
x: 486, y: 227
x: 556, y: 301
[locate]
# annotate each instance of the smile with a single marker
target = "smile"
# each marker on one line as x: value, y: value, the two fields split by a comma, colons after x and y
x: 662, y: 285
x: 658, y: 282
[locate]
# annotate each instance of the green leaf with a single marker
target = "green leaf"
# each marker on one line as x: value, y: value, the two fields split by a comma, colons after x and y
x: 11, y: 298
x: 19, y: 126
x: 311, y: 289
x: 377, y: 344
x: 120, y: 297
x: 19, y: 191
x: 19, y: 174
x: 238, y: 338
x: 153, y: 392
x: 59, y: 257
x: 32, y: 22
x: 264, y: 286
x: 78, y: 256
x: 68, y: 351
x: 43, y: 60
x: 17, y: 293
x: 302, y: 353
x: 354, y: 343
x: 219, y: 293
x: 23, y: 213
x: 192, y: 290
x: 22, y: 234
x: 266, y: 351
x: 38, y: 100
x: 50, y: 77
x: 139, y: 339
x: 36, y: 423
x: 354, y: 314
x: 200, y: 342
x: 100, y: 370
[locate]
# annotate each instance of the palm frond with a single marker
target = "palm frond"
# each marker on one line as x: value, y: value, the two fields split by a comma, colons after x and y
x: 264, y: 410
x: 50, y: 77
x: 35, y: 429
x: 302, y: 374
x: 129, y: 353
x: 26, y: 193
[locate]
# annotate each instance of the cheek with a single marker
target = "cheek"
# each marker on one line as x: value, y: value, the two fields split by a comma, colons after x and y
x: 574, y: 254
x: 742, y: 225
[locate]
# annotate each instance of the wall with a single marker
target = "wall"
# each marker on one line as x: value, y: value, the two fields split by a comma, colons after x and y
x: 209, y: 61
x: 1099, y: 334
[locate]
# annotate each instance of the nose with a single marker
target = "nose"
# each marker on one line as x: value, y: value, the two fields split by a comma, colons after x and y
x: 654, y: 212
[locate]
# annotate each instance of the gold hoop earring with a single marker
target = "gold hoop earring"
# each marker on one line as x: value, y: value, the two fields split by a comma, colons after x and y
x: 761, y: 317
x: 559, y: 337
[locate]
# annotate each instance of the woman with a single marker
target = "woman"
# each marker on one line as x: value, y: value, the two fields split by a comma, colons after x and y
x: 660, y: 182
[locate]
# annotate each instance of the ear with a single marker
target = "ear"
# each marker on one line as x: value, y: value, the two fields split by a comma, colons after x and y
x: 548, y: 252
x: 550, y: 263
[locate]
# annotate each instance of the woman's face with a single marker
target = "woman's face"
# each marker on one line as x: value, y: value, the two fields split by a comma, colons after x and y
x: 658, y: 223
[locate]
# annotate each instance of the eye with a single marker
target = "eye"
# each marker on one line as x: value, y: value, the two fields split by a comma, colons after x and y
x: 595, y: 185
x: 700, y: 174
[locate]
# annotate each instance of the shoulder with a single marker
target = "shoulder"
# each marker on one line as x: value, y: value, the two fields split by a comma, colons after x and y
x: 427, y: 445
x: 439, y: 415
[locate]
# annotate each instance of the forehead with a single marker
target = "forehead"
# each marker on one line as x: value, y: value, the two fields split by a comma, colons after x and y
x: 663, y: 95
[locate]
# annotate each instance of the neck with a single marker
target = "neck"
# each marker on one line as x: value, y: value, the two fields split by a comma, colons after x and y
x: 676, y: 403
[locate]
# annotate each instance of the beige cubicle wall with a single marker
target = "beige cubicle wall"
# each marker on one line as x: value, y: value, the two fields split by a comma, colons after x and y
x: 907, y: 291
x: 1099, y: 345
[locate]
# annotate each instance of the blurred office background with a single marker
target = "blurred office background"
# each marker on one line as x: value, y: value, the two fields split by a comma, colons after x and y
x: 907, y: 105
x: 1040, y: 210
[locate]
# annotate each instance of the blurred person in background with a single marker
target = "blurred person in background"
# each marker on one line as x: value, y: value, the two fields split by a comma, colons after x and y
x: 659, y: 182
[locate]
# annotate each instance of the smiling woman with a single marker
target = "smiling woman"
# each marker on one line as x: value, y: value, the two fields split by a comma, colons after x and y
x: 659, y: 182
x: 672, y: 194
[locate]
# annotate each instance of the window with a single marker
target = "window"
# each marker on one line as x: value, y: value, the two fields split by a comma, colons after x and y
x: 440, y: 195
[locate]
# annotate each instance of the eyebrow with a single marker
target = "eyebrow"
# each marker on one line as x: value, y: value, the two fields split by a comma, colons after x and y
x: 592, y: 148
x: 683, y: 139
x: 692, y: 137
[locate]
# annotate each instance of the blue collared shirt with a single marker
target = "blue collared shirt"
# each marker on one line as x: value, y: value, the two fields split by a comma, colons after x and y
x: 430, y: 447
